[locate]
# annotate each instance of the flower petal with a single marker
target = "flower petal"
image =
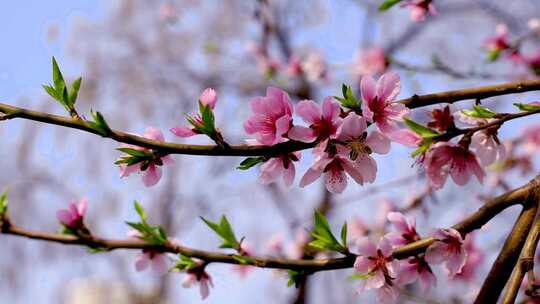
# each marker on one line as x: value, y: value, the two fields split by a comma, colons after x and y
x: 388, y: 86
x: 151, y: 176
x: 183, y: 131
x: 309, y: 111
x: 378, y: 142
x: 302, y: 134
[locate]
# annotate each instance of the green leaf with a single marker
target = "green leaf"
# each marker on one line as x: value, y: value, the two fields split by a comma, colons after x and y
x: 207, y: 116
x: 100, y: 124
x: 388, y: 4
x: 250, y: 162
x: 58, y: 79
x: 184, y: 263
x: 527, y: 107
x: 479, y: 111
x: 422, y: 148
x: 74, y: 92
x: 295, y: 278
x: 344, y: 234
x: 224, y: 230
x: 140, y: 210
x: 50, y: 90
x: 135, y: 152
x: 3, y: 204
x: 348, y: 100
x: 421, y: 130
x: 323, y: 236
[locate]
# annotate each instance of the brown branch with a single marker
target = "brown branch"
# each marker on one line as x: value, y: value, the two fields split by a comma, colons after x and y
x: 507, y: 258
x: 526, y: 258
x: 471, y: 93
x: 474, y: 221
x: 10, y: 112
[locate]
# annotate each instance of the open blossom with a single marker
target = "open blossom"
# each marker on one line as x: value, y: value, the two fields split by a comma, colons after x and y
x: 271, y: 118
x: 281, y: 166
x: 379, y: 107
x: 351, y: 156
x: 475, y: 257
x: 420, y: 9
x: 73, y: 216
x: 417, y: 269
x: 150, y: 169
x: 405, y: 229
x: 446, y: 158
x: 487, y: 147
x: 314, y: 67
x: 382, y: 270
x: 203, y: 279
x: 448, y: 248
x: 370, y: 61
x: 152, y: 258
x: 323, y: 121
x: 208, y: 98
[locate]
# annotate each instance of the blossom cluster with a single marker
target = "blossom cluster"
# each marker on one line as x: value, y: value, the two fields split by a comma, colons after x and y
x: 380, y: 271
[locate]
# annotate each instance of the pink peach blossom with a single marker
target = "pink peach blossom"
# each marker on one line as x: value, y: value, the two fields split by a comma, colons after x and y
x: 207, y: 98
x: 151, y: 258
x: 378, y: 106
x: 370, y: 61
x: 323, y: 121
x: 417, y: 269
x: 382, y: 270
x: 203, y: 279
x: 151, y: 169
x: 487, y: 148
x: 446, y: 158
x: 475, y: 258
x: 447, y: 248
x: 354, y: 141
x: 73, y: 216
x: 405, y: 229
x: 271, y: 118
x: 282, y: 166
x: 420, y: 9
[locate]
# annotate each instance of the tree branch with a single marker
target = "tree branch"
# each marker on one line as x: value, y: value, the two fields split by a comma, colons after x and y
x: 10, y: 112
x: 474, y: 221
x: 526, y: 258
x: 507, y: 258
